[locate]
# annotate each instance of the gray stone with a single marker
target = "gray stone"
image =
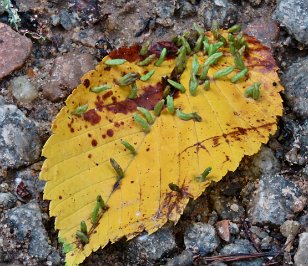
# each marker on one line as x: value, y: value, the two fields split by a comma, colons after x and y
x: 295, y: 80
x: 146, y: 248
x: 23, y: 90
x: 223, y: 11
x: 303, y: 220
x: 184, y: 259
x: 7, y: 200
x: 201, y: 238
x: 289, y: 228
x: 66, y: 20
x: 264, y: 162
x: 66, y: 73
x: 238, y: 247
x: 31, y: 180
x: 301, y: 256
x: 19, y: 140
x: 227, y: 208
x: 14, y: 50
x: 187, y: 9
x: 26, y: 220
x: 273, y: 200
x: 165, y: 9
x: 293, y: 14
x: 55, y: 20
x: 299, y: 151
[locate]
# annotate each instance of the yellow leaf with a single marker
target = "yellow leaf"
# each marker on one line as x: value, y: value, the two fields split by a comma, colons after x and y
x: 162, y: 168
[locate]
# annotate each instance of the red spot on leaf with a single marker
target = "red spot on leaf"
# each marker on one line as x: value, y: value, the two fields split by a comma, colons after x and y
x: 92, y: 116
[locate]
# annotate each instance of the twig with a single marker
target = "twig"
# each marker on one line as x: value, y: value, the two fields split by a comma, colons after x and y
x: 248, y: 233
x: 240, y: 256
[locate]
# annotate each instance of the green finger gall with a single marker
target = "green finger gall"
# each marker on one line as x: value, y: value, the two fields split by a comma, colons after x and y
x: 239, y: 75
x: 143, y: 123
x: 82, y: 237
x: 161, y: 57
x: 128, y: 79
x: 190, y: 116
x: 101, y: 88
x: 117, y: 168
x: 235, y: 28
x: 158, y: 107
x: 176, y: 85
x: 115, y: 62
x: 147, y: 60
x: 80, y: 110
x: 147, y: 75
x: 147, y: 114
x: 223, y: 72
x: 203, y: 176
x: 83, y: 227
x: 193, y: 85
x: 213, y: 59
x: 128, y: 146
x: 170, y: 104
x: 204, y: 72
x: 207, y: 85
x: 144, y: 48
x: 133, y: 92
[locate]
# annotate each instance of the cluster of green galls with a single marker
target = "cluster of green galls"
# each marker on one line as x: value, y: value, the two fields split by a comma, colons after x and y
x: 237, y: 46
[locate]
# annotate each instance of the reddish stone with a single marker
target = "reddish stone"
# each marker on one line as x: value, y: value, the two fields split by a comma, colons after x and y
x: 14, y: 50
x: 223, y: 230
x: 264, y: 29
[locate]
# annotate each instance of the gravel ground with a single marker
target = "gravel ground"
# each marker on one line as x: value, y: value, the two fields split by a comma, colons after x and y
x: 259, y: 209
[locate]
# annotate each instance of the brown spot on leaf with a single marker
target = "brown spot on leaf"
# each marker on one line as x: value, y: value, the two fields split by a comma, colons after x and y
x: 151, y: 95
x: 92, y: 116
x: 110, y: 132
x: 86, y: 83
x: 94, y: 142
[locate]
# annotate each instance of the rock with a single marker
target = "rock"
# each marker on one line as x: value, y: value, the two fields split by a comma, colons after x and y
x: 264, y: 162
x: 255, y: 2
x: 19, y: 140
x: 165, y: 9
x: 301, y: 256
x: 146, y: 248
x: 289, y: 228
x: 7, y: 200
x: 87, y: 37
x: 66, y: 20
x: 184, y: 259
x: 227, y: 208
x: 31, y: 181
x: 303, y: 220
x: 187, y: 9
x: 273, y: 200
x: 264, y: 29
x: 293, y: 14
x: 55, y: 20
x: 238, y: 247
x: 26, y: 221
x: 295, y: 81
x: 87, y: 10
x: 65, y: 75
x: 223, y: 231
x: 14, y: 50
x: 23, y: 90
x: 298, y: 154
x: 24, y: 6
x: 201, y: 238
x: 223, y: 11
